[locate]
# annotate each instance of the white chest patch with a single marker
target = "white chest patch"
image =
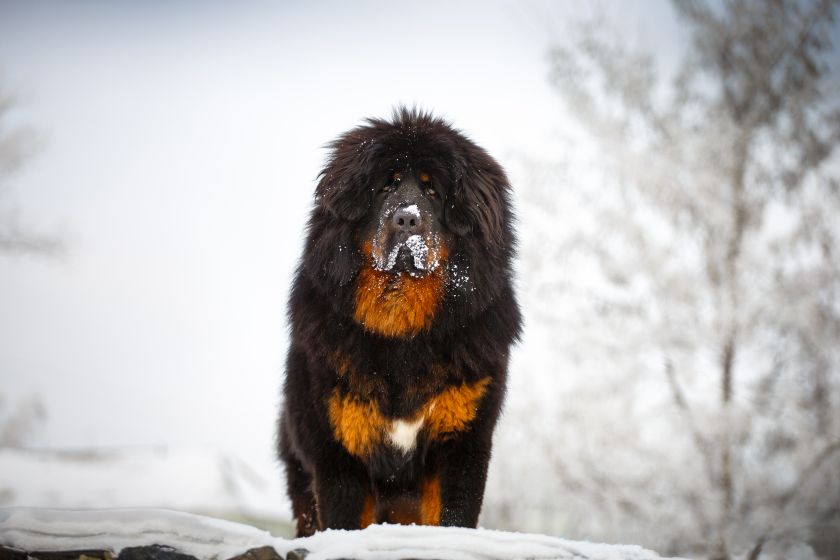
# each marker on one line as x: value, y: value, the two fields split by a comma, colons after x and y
x: 403, y: 435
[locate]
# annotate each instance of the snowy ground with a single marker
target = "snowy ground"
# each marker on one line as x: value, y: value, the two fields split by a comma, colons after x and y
x: 35, y: 529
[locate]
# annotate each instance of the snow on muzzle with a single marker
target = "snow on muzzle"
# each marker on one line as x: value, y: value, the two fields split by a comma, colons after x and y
x: 417, y: 248
x: 399, y: 246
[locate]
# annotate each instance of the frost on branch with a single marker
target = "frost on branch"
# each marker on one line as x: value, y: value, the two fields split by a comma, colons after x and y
x: 683, y: 254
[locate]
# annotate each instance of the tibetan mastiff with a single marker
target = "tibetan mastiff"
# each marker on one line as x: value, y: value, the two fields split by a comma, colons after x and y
x: 402, y: 316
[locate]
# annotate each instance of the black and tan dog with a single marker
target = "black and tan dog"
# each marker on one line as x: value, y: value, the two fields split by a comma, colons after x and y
x: 402, y: 316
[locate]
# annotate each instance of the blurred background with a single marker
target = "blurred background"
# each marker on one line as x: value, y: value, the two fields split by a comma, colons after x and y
x: 677, y: 183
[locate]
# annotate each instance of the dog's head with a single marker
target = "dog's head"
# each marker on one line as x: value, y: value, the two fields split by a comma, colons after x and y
x: 412, y: 198
x: 405, y: 231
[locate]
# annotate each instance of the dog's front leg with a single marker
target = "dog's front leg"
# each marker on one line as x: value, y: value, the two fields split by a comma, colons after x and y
x: 340, y: 493
x: 463, y: 466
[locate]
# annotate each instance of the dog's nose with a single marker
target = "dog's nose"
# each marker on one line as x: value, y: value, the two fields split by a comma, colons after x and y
x: 407, y: 220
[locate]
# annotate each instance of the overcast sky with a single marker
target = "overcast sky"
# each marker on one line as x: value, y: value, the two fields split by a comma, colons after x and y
x: 181, y: 142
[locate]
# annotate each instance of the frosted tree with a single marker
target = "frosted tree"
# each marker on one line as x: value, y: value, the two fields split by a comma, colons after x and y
x: 693, y: 278
x: 20, y: 422
x: 17, y: 144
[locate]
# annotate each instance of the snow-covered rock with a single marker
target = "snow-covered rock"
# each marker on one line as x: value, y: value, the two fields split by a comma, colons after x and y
x: 33, y: 529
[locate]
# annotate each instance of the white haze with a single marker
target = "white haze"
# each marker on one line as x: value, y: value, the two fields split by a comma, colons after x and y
x: 180, y: 149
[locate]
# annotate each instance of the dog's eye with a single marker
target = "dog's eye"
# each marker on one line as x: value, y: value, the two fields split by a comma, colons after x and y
x: 426, y: 180
x: 393, y: 183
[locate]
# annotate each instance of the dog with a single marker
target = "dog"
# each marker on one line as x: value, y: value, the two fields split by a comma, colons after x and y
x: 402, y: 315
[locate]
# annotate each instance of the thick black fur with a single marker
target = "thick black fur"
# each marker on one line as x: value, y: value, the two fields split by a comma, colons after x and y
x: 477, y: 321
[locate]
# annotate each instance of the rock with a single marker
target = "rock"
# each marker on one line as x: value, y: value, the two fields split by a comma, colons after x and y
x: 261, y: 553
x: 9, y: 553
x: 154, y: 552
x: 297, y: 554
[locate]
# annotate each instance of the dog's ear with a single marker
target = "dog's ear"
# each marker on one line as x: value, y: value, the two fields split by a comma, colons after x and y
x: 349, y: 179
x: 331, y: 257
x: 455, y: 217
x: 344, y: 195
x: 477, y: 203
x: 348, y: 201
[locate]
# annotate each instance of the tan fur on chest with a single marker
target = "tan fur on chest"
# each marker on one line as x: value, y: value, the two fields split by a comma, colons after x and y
x: 400, y: 305
x: 361, y: 427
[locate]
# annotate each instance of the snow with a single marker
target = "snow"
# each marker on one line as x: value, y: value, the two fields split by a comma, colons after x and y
x: 51, y: 529
x: 418, y: 249
x: 54, y: 529
x: 459, y: 277
x: 396, y: 541
x: 419, y: 252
